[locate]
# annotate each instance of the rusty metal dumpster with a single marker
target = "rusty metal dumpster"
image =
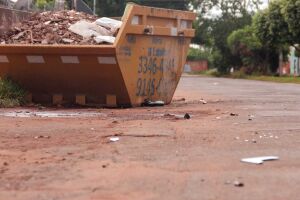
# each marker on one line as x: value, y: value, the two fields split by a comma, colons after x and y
x: 145, y: 62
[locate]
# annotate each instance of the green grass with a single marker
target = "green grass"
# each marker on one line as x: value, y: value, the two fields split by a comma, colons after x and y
x: 211, y: 72
x: 282, y: 79
x: 11, y: 94
x: 241, y: 75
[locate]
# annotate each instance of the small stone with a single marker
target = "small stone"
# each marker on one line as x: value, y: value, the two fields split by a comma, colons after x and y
x: 238, y: 184
x: 17, y: 136
x: 104, y: 166
x: 203, y: 101
x: 45, y: 41
x: 187, y: 116
x: 42, y: 136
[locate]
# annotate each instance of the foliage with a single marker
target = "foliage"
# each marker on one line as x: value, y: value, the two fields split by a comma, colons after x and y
x: 243, y: 40
x: 253, y: 55
x: 278, y: 26
x: 114, y: 8
x: 198, y: 54
x: 11, y: 94
x: 291, y: 14
x: 213, y: 29
x: 44, y: 4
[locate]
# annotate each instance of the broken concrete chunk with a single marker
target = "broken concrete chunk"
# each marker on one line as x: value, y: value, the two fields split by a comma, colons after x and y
x: 109, y: 23
x: 83, y: 28
x: 101, y: 30
x: 102, y: 39
x: 45, y: 41
x: 67, y: 41
x: 16, y: 37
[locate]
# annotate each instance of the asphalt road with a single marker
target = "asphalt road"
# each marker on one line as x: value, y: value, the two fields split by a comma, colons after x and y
x: 67, y: 154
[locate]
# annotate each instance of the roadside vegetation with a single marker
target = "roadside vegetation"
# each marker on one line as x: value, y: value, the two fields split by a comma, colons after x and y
x: 11, y: 94
x: 245, y: 38
x: 242, y: 75
x: 233, y: 34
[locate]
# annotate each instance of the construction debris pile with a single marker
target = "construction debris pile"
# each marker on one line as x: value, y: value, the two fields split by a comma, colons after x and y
x: 63, y: 27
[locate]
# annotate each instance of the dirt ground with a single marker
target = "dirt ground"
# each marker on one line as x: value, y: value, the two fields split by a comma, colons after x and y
x: 54, y: 154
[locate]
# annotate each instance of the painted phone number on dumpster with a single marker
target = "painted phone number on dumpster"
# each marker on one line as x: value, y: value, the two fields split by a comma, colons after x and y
x: 154, y: 62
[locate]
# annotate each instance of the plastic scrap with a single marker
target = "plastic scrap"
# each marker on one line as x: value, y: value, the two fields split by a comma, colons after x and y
x: 153, y: 103
x: 259, y: 160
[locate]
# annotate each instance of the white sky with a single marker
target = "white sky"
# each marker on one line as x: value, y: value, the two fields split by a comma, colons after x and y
x: 214, y: 12
x: 265, y: 4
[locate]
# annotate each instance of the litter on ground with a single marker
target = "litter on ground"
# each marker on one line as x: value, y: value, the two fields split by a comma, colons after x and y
x: 114, y: 139
x: 259, y: 160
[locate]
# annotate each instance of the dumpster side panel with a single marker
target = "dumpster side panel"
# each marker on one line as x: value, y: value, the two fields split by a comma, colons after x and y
x: 67, y: 71
x: 152, y: 51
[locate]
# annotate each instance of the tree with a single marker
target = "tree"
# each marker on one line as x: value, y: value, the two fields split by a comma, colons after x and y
x: 278, y: 26
x: 254, y: 56
x: 113, y: 8
x: 291, y: 14
x: 216, y: 20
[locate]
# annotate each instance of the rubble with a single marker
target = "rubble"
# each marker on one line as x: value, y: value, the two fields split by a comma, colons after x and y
x: 62, y: 27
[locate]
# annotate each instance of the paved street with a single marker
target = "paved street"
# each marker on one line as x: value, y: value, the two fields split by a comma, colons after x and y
x: 68, y: 155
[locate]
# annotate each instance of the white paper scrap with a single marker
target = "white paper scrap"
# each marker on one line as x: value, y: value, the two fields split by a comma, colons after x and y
x: 259, y: 160
x: 114, y: 139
